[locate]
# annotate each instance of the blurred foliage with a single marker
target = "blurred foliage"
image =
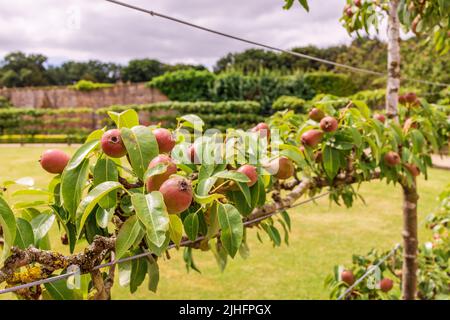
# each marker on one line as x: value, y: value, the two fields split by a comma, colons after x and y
x: 86, y: 85
x: 264, y: 87
x: 27, y: 125
x: 330, y: 83
x: 4, y: 103
x: 185, y: 85
x: 419, y: 61
x: 433, y: 268
x: 291, y: 103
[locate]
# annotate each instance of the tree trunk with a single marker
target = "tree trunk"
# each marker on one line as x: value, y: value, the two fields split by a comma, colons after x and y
x: 410, y: 241
x: 393, y: 81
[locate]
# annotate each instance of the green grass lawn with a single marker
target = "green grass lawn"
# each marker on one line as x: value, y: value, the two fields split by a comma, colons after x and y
x: 322, y: 236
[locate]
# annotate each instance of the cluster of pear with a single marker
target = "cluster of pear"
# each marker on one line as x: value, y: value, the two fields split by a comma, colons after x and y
x: 385, y: 284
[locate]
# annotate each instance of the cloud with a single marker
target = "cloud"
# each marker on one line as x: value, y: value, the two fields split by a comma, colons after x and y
x: 96, y: 29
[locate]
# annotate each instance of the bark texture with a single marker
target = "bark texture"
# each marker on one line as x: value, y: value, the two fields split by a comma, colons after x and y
x: 393, y: 81
x: 410, y: 242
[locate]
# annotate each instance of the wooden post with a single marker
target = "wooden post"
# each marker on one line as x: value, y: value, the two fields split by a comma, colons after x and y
x: 410, y: 241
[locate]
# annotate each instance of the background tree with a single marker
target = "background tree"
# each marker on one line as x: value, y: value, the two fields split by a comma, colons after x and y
x: 432, y: 19
x: 141, y: 70
x: 20, y: 70
x: 94, y: 70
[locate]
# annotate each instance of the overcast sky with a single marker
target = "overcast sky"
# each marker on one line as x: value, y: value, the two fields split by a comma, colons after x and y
x: 96, y: 29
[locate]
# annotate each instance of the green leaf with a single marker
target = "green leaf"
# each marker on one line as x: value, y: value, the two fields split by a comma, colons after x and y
x: 91, y: 200
x: 175, y: 228
x: 158, y: 169
x: 106, y: 170
x: 286, y: 219
x: 58, y: 290
x: 192, y: 121
x: 125, y: 272
x: 81, y: 154
x: 41, y: 225
x: 205, y: 185
x: 138, y: 272
x: 71, y: 231
x: 304, y: 4
x: 103, y: 216
x: 44, y: 243
x: 331, y: 161
x: 363, y: 108
x: 220, y: 254
x: 232, y: 228
x: 293, y: 153
x: 152, y: 212
x: 95, y: 135
x: 153, y: 274
x: 141, y: 146
x: 25, y: 181
x: 158, y: 251
x: 246, y: 192
x: 232, y: 175
x: 213, y: 227
x: 24, y: 234
x: 203, y: 200
x: 189, y: 260
x: 273, y: 234
x: 261, y: 193
x: 126, y: 119
x: 191, y: 226
x: 288, y: 4
x: 238, y: 199
x: 72, y: 185
x: 8, y: 224
x: 127, y: 236
x: 30, y: 192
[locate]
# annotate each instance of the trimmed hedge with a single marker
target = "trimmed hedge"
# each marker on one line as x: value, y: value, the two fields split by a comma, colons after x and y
x: 330, y: 83
x: 4, y: 103
x: 217, y: 115
x: 24, y: 125
x: 185, y: 85
x: 86, y: 85
x: 264, y: 87
x: 375, y: 99
x: 291, y: 103
x: 39, y: 138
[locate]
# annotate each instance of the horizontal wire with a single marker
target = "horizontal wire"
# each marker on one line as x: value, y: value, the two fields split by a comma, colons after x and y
x: 270, y: 47
x: 146, y: 254
x: 369, y: 271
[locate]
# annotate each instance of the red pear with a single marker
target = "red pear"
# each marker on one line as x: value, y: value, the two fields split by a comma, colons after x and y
x: 282, y: 168
x: 177, y: 194
x: 380, y: 117
x: 316, y: 114
x: 54, y: 161
x: 154, y: 182
x: 348, y: 277
x: 165, y: 140
x: 411, y: 97
x: 312, y: 137
x: 413, y: 169
x: 386, y: 284
x: 328, y: 124
x: 263, y: 129
x: 250, y: 172
x: 392, y: 159
x: 112, y: 144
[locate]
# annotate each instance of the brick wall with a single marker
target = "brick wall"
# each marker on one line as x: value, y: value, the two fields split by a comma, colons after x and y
x: 62, y: 97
